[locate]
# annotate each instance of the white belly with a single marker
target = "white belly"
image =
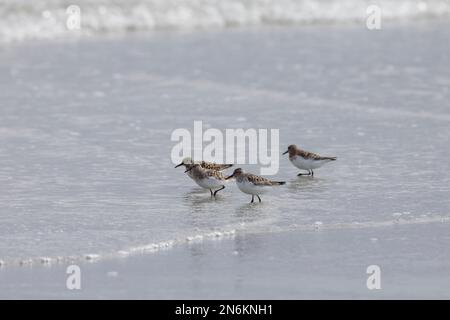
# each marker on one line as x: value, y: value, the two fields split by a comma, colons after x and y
x: 250, y: 188
x: 210, y: 183
x: 307, y: 164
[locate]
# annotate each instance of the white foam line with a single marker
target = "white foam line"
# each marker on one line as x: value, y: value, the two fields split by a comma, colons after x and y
x: 42, y: 19
x: 226, y: 233
x: 220, y: 235
x: 144, y: 249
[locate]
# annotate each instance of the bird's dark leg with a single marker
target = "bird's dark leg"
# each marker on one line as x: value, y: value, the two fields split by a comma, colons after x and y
x: 215, y: 192
x: 259, y: 198
x: 304, y: 174
x: 211, y: 192
x: 312, y: 173
x: 253, y: 199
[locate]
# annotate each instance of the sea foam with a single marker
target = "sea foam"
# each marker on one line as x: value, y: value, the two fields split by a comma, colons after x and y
x: 43, y: 19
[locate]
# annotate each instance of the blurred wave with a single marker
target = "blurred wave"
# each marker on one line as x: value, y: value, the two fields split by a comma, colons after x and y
x: 47, y: 19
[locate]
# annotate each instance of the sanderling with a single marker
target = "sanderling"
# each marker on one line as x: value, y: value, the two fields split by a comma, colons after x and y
x: 204, y: 164
x: 306, y: 160
x: 207, y: 178
x: 252, y: 184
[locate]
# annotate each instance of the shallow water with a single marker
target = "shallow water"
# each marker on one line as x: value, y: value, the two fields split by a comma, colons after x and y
x: 85, y: 132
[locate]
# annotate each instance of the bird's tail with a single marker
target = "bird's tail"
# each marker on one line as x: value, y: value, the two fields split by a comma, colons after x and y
x: 330, y: 158
x: 226, y: 166
x: 278, y: 183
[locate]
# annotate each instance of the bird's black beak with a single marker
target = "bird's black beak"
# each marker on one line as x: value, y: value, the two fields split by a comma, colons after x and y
x: 229, y: 177
x: 188, y: 169
x: 286, y: 152
x: 179, y: 165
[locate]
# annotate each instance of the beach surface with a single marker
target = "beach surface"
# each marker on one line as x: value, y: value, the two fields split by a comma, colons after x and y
x: 86, y: 174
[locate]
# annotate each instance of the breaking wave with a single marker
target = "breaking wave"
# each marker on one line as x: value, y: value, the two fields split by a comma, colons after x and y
x: 50, y: 19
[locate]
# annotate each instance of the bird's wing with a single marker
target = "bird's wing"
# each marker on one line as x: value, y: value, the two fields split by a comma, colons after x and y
x: 258, y: 181
x: 215, y: 174
x: 214, y: 166
x: 314, y: 156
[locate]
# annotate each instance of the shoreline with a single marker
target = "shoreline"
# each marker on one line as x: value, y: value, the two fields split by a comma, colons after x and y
x: 154, y: 248
x: 147, y: 35
x: 324, y: 265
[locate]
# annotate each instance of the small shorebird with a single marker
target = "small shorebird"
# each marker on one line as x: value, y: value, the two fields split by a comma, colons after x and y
x: 207, y: 178
x: 253, y: 184
x: 306, y: 160
x: 204, y: 164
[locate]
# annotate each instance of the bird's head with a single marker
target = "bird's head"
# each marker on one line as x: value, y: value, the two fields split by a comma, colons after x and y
x: 185, y: 162
x: 291, y: 149
x: 236, y: 173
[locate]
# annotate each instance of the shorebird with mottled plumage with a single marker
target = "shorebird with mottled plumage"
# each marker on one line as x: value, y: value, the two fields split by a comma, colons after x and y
x: 306, y: 160
x: 204, y: 164
x: 253, y: 184
x: 207, y: 178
